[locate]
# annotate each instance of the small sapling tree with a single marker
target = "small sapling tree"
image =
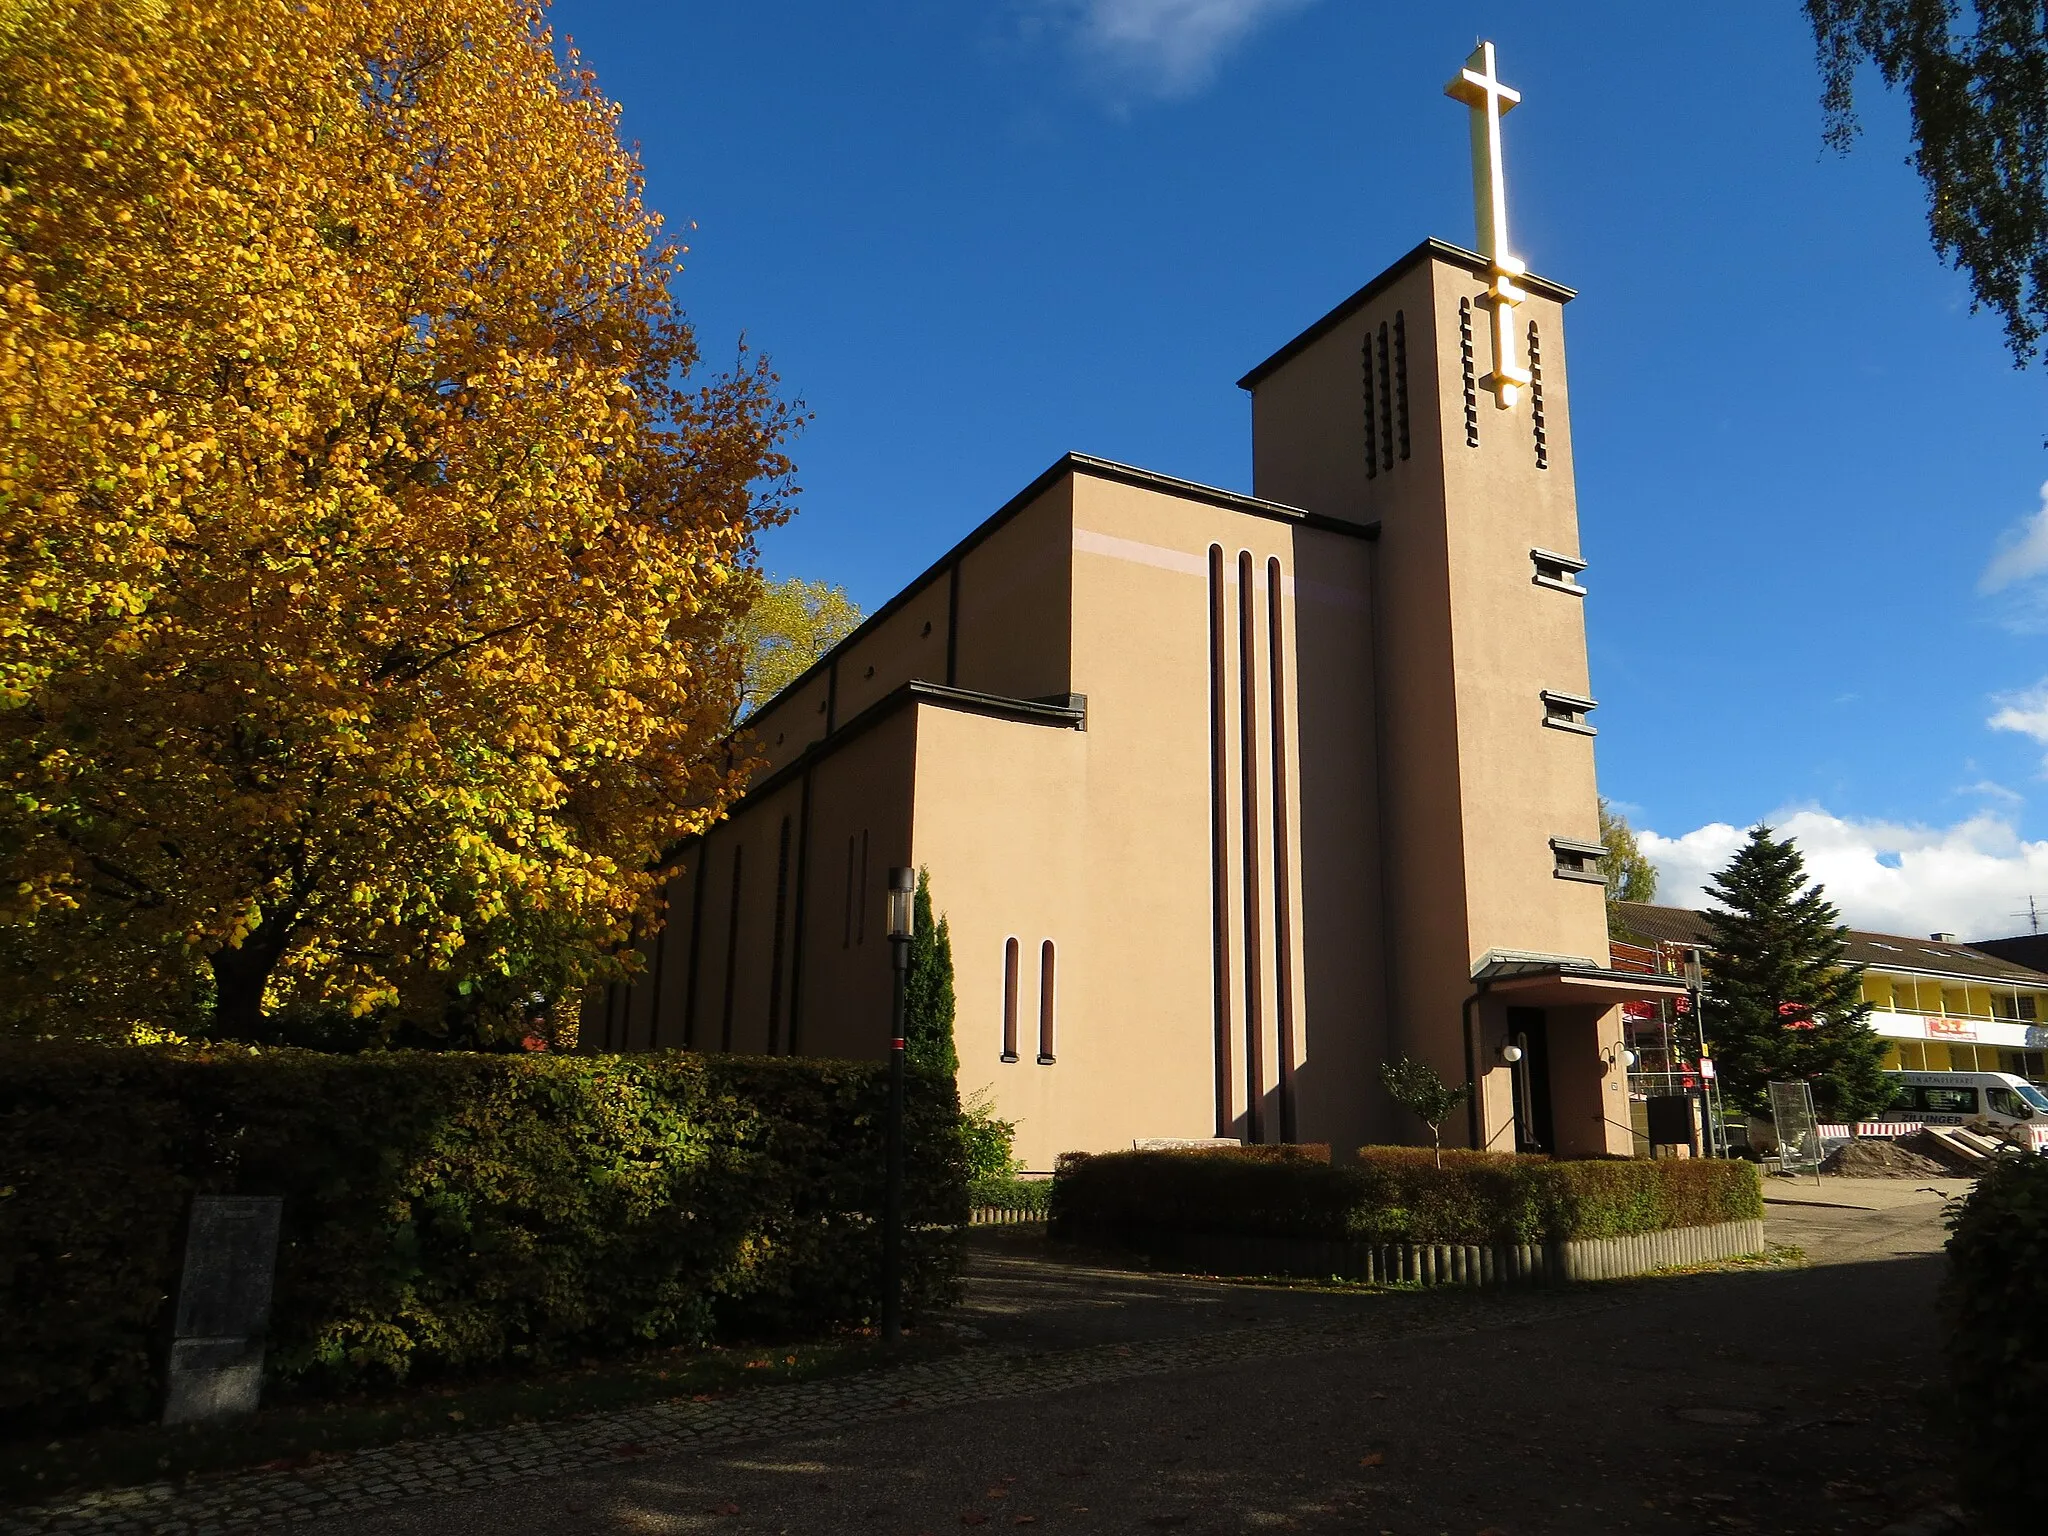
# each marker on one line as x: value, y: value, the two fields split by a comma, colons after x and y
x: 1415, y: 1086
x: 928, y: 1002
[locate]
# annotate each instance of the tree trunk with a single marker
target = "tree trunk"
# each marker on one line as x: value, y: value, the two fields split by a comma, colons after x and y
x: 240, y: 974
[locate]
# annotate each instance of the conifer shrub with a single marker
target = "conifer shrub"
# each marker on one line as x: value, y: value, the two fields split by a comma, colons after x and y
x: 1995, y: 1316
x: 1394, y: 1194
x: 448, y: 1213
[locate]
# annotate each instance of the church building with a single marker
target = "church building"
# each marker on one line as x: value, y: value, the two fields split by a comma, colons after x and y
x: 1229, y: 799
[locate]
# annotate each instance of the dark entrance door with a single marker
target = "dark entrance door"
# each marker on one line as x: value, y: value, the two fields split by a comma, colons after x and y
x: 1529, y: 1029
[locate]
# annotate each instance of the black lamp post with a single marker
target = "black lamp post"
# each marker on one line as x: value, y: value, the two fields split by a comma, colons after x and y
x: 902, y: 889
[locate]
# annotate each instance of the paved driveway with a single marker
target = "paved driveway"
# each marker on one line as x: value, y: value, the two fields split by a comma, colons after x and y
x: 1779, y: 1401
x: 1096, y: 1399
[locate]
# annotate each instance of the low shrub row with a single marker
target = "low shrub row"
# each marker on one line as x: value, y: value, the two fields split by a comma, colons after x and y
x: 1396, y: 1194
x: 447, y: 1213
x: 1995, y: 1306
x: 1005, y: 1192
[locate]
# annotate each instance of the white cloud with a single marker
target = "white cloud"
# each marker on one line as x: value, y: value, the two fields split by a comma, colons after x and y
x: 1170, y: 47
x: 2025, y: 712
x: 1969, y: 878
x: 2022, y: 554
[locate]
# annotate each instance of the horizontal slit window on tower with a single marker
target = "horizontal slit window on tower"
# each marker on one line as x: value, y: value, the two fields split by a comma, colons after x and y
x: 1577, y: 860
x: 1558, y: 572
x: 1567, y: 712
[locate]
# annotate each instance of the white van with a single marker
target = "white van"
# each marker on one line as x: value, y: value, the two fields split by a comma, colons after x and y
x: 1995, y: 1103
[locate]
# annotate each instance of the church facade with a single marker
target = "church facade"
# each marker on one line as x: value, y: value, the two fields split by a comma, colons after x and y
x: 1228, y: 799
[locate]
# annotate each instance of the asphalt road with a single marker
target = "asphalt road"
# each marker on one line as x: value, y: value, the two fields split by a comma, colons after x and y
x: 1777, y: 1401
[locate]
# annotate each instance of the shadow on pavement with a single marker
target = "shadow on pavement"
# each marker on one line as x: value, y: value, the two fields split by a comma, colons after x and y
x: 1785, y: 1401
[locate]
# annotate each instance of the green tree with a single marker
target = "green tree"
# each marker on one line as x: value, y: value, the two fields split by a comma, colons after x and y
x: 1780, y: 1003
x: 1415, y: 1086
x: 370, y: 536
x: 789, y: 625
x: 1976, y: 84
x: 928, y: 1000
x: 1630, y: 876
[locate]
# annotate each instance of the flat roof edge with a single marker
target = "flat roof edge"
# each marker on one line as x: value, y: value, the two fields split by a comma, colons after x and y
x: 1067, y: 464
x: 915, y: 691
x: 1442, y: 250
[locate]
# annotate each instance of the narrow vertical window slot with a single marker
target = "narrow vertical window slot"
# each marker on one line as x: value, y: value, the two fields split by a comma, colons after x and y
x: 1010, y: 958
x: 860, y: 895
x: 1536, y: 398
x: 776, y: 949
x: 1219, y: 831
x: 1401, y: 380
x: 1047, y: 1004
x: 1283, y: 867
x: 1372, y: 426
x: 1248, y: 790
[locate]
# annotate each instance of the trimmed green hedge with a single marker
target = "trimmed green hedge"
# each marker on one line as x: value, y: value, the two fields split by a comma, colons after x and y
x: 447, y: 1212
x: 1397, y: 1194
x: 1995, y: 1308
x: 1001, y: 1192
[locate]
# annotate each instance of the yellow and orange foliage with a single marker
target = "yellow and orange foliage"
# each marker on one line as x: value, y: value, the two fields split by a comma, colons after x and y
x: 368, y: 558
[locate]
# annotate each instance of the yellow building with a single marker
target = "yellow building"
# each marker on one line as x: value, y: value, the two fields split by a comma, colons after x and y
x: 1940, y: 1006
x: 1228, y: 798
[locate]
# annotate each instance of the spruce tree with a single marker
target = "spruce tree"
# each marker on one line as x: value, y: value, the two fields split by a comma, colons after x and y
x: 928, y: 997
x: 1780, y: 1003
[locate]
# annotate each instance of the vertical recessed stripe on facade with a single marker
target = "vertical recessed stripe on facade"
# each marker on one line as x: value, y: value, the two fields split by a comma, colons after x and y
x: 732, y: 950
x: 1372, y: 425
x: 1386, y: 402
x: 1248, y: 790
x: 662, y: 938
x: 1219, y: 838
x: 776, y: 947
x: 798, y: 923
x: 953, y: 625
x: 696, y: 944
x: 1401, y: 381
x: 1471, y: 373
x: 1536, y: 398
x: 852, y: 850
x: 1283, y: 864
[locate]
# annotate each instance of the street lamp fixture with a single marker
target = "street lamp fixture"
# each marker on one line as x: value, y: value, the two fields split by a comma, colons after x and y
x: 1511, y: 1054
x: 902, y: 895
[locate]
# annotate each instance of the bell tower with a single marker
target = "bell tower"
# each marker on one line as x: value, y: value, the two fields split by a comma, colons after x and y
x: 1435, y: 403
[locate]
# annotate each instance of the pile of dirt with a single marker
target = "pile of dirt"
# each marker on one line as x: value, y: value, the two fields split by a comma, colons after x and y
x: 1873, y: 1159
x: 1929, y: 1145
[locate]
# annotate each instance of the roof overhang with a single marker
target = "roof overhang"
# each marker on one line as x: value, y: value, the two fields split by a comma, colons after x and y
x: 1556, y: 984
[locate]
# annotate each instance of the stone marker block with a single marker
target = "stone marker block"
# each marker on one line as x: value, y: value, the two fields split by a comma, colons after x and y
x: 215, y: 1367
x: 213, y: 1379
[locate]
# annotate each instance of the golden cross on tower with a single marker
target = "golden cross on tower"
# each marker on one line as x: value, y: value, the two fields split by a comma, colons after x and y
x: 1478, y: 85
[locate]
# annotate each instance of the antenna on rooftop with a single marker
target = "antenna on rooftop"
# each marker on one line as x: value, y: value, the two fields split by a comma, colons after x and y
x: 2032, y: 915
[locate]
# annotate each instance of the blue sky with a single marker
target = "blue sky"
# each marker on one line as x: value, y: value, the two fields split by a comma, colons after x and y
x: 1811, y: 484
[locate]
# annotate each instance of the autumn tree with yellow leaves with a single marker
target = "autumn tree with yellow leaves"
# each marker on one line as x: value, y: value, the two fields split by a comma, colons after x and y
x: 370, y: 552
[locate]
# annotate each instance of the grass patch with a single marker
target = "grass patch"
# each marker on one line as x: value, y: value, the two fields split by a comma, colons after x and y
x: 305, y: 1433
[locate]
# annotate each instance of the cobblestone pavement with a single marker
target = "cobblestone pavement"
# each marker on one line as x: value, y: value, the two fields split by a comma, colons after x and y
x: 485, y: 1459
